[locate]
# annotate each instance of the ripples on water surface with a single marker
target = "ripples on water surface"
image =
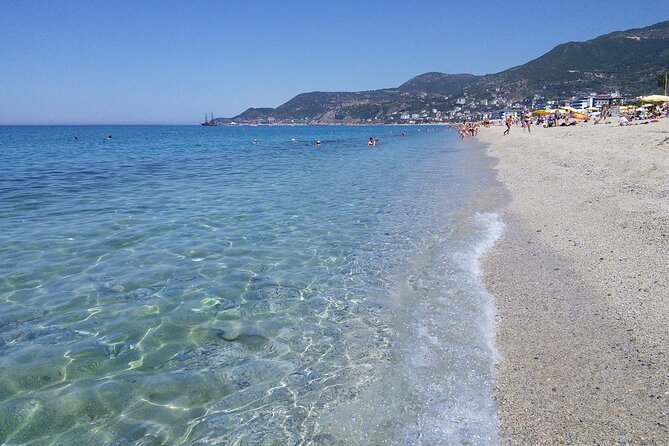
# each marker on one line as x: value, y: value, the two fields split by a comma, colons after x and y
x: 180, y: 285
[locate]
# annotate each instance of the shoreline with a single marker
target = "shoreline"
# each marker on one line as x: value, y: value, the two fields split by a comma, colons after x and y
x: 580, y: 284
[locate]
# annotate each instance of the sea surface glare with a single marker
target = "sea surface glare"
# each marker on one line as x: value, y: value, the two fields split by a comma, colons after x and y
x: 183, y: 285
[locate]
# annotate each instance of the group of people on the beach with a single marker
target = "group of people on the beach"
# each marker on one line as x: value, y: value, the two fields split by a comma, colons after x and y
x: 468, y: 129
x: 524, y: 120
x: 564, y: 117
x: 643, y: 115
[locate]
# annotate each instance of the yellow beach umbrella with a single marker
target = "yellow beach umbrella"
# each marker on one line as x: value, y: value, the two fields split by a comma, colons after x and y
x: 648, y: 105
x: 654, y: 98
x: 579, y: 115
x: 592, y: 108
x: 543, y: 112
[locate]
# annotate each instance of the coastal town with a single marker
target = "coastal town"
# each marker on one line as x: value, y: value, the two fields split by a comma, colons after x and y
x: 465, y: 109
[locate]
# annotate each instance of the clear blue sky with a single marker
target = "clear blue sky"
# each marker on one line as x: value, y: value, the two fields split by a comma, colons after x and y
x: 167, y: 62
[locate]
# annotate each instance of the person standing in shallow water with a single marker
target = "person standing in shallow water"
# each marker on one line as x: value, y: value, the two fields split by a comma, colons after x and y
x: 509, y: 120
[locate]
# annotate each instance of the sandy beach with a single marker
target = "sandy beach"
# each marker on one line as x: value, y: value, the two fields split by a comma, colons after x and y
x: 580, y: 280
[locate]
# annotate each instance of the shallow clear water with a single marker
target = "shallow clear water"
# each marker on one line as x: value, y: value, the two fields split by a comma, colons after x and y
x: 182, y: 285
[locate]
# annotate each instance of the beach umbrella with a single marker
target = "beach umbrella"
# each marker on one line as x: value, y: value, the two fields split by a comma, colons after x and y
x: 569, y: 109
x: 654, y: 98
x: 543, y: 112
x: 592, y: 108
x: 579, y: 116
x: 648, y: 105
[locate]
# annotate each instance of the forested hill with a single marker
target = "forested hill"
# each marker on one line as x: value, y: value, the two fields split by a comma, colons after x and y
x: 625, y: 61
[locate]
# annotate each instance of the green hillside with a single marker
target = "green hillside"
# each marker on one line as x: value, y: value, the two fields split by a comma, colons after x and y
x: 624, y: 61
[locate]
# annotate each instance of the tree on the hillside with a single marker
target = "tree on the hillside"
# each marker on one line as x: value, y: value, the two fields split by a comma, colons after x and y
x: 662, y: 78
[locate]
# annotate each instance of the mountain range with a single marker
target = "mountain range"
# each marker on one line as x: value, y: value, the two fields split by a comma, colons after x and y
x: 627, y: 62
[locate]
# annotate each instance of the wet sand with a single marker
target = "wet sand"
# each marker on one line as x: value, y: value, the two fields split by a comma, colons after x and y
x: 581, y: 284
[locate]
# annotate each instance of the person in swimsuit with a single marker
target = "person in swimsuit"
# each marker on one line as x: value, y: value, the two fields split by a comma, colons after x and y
x: 509, y: 120
x: 527, y: 117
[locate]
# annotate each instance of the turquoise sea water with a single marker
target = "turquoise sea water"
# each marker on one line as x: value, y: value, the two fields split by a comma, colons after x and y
x: 182, y: 285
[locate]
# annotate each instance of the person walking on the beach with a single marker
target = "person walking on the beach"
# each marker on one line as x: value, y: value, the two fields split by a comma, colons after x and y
x: 527, y: 118
x: 509, y: 121
x: 603, y: 115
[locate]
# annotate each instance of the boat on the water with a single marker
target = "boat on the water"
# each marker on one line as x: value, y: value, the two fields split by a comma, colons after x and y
x: 210, y: 122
